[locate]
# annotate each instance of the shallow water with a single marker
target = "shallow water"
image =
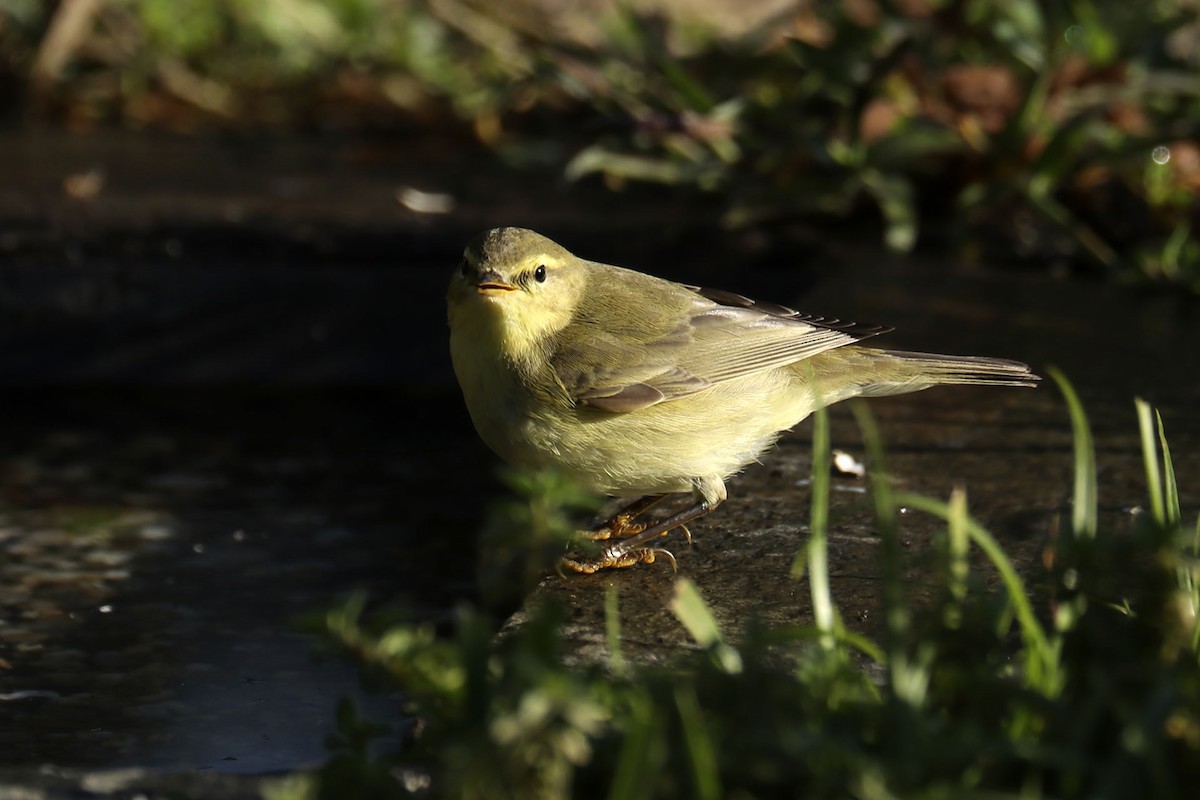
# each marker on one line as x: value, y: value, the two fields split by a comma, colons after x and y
x: 161, y: 546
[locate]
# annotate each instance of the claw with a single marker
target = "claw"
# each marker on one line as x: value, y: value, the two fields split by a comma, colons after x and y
x: 617, y: 557
x: 634, y: 546
x: 649, y: 556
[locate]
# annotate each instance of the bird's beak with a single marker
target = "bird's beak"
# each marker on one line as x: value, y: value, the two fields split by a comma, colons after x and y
x: 491, y: 284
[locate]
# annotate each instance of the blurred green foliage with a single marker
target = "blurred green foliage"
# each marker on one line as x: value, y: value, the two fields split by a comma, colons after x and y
x: 1088, y: 686
x: 528, y: 532
x: 1053, y: 130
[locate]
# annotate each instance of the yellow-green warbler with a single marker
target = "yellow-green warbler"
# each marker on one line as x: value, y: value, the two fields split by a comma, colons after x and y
x: 638, y: 386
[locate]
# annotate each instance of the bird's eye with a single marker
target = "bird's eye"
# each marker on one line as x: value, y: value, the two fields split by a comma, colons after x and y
x: 539, y: 274
x: 464, y: 268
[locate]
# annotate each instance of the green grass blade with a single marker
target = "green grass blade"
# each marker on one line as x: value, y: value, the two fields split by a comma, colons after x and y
x: 1167, y: 503
x: 1194, y: 590
x: 639, y: 760
x: 689, y: 608
x: 702, y: 754
x: 863, y: 644
x: 695, y: 97
x: 612, y: 629
x: 958, y: 543
x: 845, y: 637
x: 817, y: 548
x: 1084, y: 500
x: 895, y: 611
x: 1154, y: 485
x: 1041, y: 660
x: 1170, y: 487
x: 1196, y: 539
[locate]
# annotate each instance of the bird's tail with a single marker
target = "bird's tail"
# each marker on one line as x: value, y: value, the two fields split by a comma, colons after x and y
x: 872, y: 372
x: 933, y: 369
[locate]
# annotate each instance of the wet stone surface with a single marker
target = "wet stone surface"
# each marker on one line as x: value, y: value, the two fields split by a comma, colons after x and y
x: 203, y: 442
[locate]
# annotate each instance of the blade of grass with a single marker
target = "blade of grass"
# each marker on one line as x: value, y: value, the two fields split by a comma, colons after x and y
x: 641, y: 752
x: 706, y: 780
x: 693, y: 94
x: 1194, y: 593
x: 1174, y: 514
x: 958, y: 543
x: 817, y: 548
x: 1154, y: 484
x: 909, y: 668
x: 612, y: 629
x: 689, y: 608
x: 1084, y: 499
x: 1041, y: 656
x: 793, y: 633
x: 895, y: 611
x: 1167, y: 502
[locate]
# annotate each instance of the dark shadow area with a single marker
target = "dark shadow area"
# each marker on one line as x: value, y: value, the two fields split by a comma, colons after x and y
x: 162, y: 544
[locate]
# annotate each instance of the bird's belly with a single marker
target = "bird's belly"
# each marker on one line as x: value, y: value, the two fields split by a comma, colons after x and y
x: 657, y: 449
x: 663, y: 448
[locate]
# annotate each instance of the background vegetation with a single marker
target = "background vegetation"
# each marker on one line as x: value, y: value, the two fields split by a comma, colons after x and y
x: 1055, y: 131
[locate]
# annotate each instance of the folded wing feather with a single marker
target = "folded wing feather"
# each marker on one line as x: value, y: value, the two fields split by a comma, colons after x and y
x: 725, y: 336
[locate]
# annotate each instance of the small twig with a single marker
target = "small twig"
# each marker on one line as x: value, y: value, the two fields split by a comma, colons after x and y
x: 196, y: 89
x: 68, y: 29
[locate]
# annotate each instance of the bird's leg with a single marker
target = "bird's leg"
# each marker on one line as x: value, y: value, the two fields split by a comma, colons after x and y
x: 633, y: 550
x: 623, y: 523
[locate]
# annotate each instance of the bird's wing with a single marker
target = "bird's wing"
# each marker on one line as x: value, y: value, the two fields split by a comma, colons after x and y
x: 722, y: 336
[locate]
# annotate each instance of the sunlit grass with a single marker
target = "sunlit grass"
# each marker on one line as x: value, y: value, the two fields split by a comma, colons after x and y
x: 1084, y: 682
x: 1084, y: 498
x: 816, y: 552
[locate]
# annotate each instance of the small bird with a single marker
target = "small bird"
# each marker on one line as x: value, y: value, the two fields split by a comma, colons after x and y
x: 636, y: 386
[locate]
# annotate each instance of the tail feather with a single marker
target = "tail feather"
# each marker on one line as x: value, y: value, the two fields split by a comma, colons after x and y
x: 974, y: 370
x: 846, y: 372
x: 871, y: 372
